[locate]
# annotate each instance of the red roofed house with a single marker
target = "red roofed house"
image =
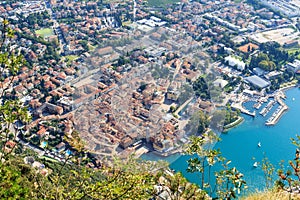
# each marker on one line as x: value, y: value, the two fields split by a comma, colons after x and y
x: 42, y: 131
x: 9, y: 146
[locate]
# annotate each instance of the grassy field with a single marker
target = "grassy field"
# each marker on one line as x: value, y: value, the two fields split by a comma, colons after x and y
x: 161, y: 3
x: 45, y: 32
x: 49, y: 159
x: 127, y: 23
x: 70, y: 58
x: 91, y: 47
x: 293, y: 50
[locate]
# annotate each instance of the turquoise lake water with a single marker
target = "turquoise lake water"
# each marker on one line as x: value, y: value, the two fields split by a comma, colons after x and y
x: 240, y: 144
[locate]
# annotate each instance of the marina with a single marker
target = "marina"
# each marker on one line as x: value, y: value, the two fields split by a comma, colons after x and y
x: 260, y: 102
x: 257, y: 105
x: 272, y: 101
x: 267, y: 109
x: 279, y: 111
x: 275, y: 99
x: 261, y: 141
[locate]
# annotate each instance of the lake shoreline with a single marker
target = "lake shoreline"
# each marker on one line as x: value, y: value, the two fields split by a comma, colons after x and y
x: 240, y: 143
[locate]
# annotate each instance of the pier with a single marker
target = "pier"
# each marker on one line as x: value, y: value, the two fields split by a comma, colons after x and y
x: 267, y: 109
x: 257, y: 105
x: 279, y: 111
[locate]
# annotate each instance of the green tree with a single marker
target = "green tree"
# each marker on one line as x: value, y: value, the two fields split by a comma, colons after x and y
x: 176, y: 187
x: 268, y: 169
x: 15, y: 180
x: 11, y: 110
x: 201, y: 88
x: 228, y: 181
x: 289, y: 180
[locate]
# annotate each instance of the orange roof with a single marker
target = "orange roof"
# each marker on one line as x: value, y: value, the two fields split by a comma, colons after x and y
x: 10, y: 144
x: 41, y: 131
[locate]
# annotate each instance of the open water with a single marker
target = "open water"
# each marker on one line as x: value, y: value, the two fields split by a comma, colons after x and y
x: 240, y: 144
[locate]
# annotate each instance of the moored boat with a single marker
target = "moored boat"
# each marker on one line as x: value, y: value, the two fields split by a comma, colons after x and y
x: 255, y: 164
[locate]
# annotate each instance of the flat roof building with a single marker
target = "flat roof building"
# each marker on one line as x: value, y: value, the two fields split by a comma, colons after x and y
x: 232, y: 61
x: 257, y: 82
x: 294, y: 66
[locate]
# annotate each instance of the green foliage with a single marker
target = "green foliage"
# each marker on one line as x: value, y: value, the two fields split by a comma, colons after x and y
x: 172, y: 109
x: 268, y: 169
x: 11, y: 111
x: 160, y: 72
x: 228, y: 181
x: 289, y: 180
x: 201, y: 88
x: 15, y: 180
x: 223, y: 117
x: 270, y: 58
x: 186, y: 92
x: 178, y: 187
x: 255, y: 60
x: 121, y: 180
x: 267, y: 65
x: 198, y: 123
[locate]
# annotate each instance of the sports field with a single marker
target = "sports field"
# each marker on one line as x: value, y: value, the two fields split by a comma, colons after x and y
x: 246, y: 47
x: 45, y: 32
x: 282, y: 36
x: 161, y: 3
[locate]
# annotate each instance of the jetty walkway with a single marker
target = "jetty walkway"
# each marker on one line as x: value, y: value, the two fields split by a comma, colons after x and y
x: 279, y: 112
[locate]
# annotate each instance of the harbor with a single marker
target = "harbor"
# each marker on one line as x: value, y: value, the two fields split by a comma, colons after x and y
x: 254, y: 130
x: 279, y: 111
x: 267, y: 109
x: 268, y: 102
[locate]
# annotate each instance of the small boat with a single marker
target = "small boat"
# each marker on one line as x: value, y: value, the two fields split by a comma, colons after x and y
x: 255, y: 164
x: 259, y: 144
x: 293, y: 99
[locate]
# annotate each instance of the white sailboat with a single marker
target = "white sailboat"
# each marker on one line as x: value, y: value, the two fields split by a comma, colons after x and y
x: 259, y: 144
x: 255, y: 164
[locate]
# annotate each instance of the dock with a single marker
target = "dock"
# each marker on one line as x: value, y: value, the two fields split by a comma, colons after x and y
x: 257, y: 105
x: 260, y: 101
x: 267, y: 109
x: 279, y: 111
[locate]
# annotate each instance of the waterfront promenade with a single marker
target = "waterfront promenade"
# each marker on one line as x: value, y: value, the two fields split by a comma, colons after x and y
x: 242, y: 109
